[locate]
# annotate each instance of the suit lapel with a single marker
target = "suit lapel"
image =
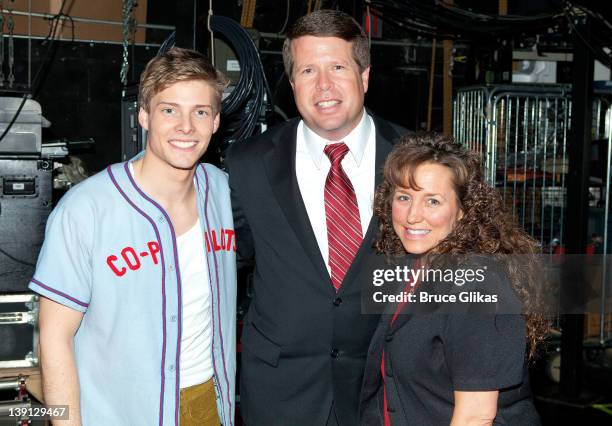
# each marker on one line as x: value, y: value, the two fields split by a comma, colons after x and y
x: 277, y: 160
x: 281, y: 157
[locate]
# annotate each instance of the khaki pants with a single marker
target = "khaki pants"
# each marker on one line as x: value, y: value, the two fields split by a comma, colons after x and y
x: 199, y: 406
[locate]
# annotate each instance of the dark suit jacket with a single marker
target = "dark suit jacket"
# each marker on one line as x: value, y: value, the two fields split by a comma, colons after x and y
x: 429, y: 354
x: 304, y: 346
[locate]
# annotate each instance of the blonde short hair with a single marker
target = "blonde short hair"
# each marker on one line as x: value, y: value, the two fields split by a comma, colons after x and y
x: 176, y: 65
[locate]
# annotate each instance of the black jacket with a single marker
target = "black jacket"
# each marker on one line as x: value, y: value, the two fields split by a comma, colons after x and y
x: 304, y: 346
x: 430, y: 351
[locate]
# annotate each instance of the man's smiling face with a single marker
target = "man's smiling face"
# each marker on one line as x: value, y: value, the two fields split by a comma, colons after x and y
x: 328, y: 85
x: 180, y: 122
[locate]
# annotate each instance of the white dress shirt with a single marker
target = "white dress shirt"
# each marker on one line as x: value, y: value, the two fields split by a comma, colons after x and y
x: 312, y: 167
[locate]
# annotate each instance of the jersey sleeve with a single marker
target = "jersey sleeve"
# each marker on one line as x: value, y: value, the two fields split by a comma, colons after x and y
x: 485, y: 352
x: 63, y: 271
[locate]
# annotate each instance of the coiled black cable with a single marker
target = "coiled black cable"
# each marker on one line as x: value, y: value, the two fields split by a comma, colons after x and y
x: 251, y: 98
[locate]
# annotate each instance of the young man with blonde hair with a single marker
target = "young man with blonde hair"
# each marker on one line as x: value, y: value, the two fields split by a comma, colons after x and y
x: 137, y: 271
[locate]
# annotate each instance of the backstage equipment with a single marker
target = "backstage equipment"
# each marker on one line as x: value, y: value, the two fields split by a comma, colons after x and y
x: 21, y: 410
x: 245, y: 110
x: 68, y: 170
x: 69, y: 174
x: 18, y: 331
x: 522, y: 133
x: 21, y: 123
x: 8, y: 83
x: 599, y: 202
x: 133, y: 137
x: 248, y: 105
x: 25, y: 204
x: 26, y: 184
x: 10, y: 26
x: 129, y: 29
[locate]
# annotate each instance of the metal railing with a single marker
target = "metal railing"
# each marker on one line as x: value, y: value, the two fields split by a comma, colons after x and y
x: 605, y: 321
x: 522, y: 133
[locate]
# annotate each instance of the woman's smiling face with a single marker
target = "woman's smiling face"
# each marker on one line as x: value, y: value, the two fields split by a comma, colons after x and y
x: 425, y: 216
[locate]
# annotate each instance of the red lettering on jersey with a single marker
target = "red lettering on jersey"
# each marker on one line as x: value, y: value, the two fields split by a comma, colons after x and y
x: 153, y: 249
x: 226, y: 240
x: 132, y: 258
x: 207, y: 243
x: 216, y: 246
x: 110, y: 261
x: 230, y: 235
x: 222, y: 238
x: 136, y: 261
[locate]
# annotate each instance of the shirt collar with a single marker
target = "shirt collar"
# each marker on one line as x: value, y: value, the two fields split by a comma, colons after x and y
x: 356, y: 141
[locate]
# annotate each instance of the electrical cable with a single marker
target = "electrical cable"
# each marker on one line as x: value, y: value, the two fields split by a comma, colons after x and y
x: 51, y: 39
x: 251, y: 99
x: 14, y: 259
x: 211, y: 32
x: 245, y: 106
x: 282, y: 30
x: 447, y: 21
x: 600, y: 33
x: 167, y: 44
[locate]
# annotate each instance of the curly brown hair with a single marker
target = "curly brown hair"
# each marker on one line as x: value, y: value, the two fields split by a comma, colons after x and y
x: 485, y: 228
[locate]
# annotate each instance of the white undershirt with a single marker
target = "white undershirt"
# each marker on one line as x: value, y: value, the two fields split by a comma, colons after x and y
x: 196, y: 339
x: 196, y: 332
x: 312, y: 167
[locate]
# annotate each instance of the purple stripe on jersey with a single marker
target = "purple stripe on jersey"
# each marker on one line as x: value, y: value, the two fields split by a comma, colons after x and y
x: 218, y: 299
x: 212, y: 352
x: 177, y: 389
x: 59, y: 293
x: 163, y: 375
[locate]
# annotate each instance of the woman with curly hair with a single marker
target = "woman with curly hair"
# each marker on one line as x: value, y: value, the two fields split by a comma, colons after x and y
x: 436, y: 366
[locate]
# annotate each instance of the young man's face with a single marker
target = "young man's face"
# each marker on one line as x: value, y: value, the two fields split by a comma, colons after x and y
x: 180, y: 122
x: 328, y: 85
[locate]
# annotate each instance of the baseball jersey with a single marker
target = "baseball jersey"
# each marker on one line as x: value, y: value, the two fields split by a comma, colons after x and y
x: 110, y: 252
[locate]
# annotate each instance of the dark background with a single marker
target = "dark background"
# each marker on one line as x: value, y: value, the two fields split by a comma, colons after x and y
x: 80, y: 91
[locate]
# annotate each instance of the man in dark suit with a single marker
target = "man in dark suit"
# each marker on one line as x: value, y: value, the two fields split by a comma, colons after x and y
x: 302, y: 195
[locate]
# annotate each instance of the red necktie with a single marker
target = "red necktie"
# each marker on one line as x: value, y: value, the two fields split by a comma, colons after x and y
x: 342, y: 216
